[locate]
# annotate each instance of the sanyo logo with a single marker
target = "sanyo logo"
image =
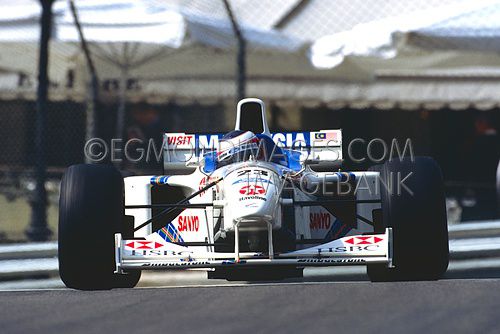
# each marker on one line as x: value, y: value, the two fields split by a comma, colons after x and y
x: 188, y: 223
x: 291, y: 139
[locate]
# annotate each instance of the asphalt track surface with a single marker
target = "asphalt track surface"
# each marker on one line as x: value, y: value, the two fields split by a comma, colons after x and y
x: 447, y: 306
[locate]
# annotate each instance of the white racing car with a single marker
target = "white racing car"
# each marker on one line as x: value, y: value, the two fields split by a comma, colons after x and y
x: 252, y: 205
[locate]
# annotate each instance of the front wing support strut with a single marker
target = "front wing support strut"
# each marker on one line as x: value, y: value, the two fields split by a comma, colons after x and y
x: 237, y: 241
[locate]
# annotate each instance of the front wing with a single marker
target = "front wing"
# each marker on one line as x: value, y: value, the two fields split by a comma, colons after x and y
x: 159, y: 254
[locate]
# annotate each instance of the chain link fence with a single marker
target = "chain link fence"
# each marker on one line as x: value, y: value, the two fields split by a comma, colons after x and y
x: 186, y: 79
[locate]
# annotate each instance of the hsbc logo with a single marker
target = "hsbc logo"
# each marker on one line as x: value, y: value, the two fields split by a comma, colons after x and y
x: 138, y: 244
x: 252, y: 189
x: 366, y: 240
x: 161, y: 252
x: 350, y: 249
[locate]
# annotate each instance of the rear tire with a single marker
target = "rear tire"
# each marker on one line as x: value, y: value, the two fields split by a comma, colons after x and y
x: 420, y: 243
x: 91, y: 211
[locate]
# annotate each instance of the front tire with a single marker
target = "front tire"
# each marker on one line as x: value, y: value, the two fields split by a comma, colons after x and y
x: 91, y: 209
x: 418, y: 220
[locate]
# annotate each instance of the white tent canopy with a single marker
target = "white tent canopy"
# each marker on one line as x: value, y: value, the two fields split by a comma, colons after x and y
x: 467, y: 26
x: 169, y: 50
x: 147, y: 40
x: 447, y: 56
x: 476, y: 30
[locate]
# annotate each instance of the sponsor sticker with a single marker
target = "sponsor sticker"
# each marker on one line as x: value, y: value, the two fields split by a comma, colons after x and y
x: 364, y: 240
x: 350, y: 249
x: 177, y: 264
x: 246, y: 198
x: 331, y: 260
x: 252, y: 189
x: 188, y: 223
x: 160, y: 252
x: 204, y: 181
x: 329, y: 137
x: 293, y: 140
x: 282, y: 139
x: 139, y: 244
x: 320, y: 135
x: 253, y: 180
x: 320, y: 221
x: 174, y: 140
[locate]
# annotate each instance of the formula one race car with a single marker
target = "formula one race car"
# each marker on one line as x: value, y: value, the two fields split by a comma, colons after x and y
x: 252, y: 205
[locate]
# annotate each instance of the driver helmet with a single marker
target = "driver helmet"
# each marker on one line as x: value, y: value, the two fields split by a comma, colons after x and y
x: 237, y: 146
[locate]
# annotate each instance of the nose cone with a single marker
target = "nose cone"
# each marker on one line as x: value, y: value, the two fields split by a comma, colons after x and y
x: 251, y: 195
